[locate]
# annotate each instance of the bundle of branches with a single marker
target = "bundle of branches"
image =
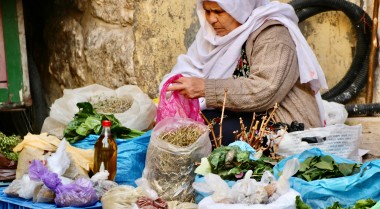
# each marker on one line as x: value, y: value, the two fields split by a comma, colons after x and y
x: 263, y: 135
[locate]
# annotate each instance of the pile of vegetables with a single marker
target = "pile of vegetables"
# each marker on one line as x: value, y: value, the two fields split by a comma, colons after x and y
x: 324, y: 167
x: 360, y: 204
x: 7, y: 143
x: 87, y: 121
x: 231, y: 163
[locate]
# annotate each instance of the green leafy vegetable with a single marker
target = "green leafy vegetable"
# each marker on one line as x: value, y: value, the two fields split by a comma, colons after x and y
x: 300, y: 204
x: 360, y: 204
x: 87, y: 121
x: 317, y: 167
x: 7, y: 143
x: 230, y: 161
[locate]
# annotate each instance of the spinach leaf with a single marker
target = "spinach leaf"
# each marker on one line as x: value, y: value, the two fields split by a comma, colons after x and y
x: 87, y: 121
x: 230, y: 161
x: 317, y: 167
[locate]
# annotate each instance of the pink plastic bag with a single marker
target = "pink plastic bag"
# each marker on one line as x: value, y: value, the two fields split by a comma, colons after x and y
x: 177, y: 105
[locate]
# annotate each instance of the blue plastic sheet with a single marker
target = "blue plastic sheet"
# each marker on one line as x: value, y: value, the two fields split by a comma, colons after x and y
x: 199, y: 178
x: 345, y: 190
x: 19, y: 203
x: 131, y: 155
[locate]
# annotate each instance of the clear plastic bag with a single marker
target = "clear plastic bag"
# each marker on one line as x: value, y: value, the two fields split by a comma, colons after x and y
x: 170, y: 168
x: 177, y: 105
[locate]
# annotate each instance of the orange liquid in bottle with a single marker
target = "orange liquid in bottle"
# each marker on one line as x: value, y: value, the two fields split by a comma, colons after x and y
x: 106, y: 153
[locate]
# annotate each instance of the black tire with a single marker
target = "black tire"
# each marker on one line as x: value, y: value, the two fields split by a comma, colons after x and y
x: 356, y: 76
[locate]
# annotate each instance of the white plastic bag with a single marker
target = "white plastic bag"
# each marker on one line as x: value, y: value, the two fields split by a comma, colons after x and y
x: 248, y: 193
x: 335, y: 113
x: 286, y: 201
x: 139, y: 116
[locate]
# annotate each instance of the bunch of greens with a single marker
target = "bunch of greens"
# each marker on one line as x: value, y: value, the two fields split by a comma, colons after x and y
x: 7, y: 143
x: 324, y: 167
x: 87, y: 121
x: 231, y: 163
x: 360, y: 204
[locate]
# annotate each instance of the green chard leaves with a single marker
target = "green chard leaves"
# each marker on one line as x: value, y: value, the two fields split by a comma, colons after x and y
x: 230, y: 162
x: 324, y: 167
x: 87, y: 121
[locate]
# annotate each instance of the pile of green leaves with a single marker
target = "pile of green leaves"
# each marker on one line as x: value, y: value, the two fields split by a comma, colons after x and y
x: 324, y: 167
x: 7, y: 143
x: 360, y: 204
x: 230, y: 162
x: 87, y: 121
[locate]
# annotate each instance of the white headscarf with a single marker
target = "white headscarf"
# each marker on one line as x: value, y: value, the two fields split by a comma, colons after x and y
x: 215, y: 57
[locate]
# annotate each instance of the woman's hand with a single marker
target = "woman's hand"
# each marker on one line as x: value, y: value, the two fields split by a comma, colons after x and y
x: 190, y: 87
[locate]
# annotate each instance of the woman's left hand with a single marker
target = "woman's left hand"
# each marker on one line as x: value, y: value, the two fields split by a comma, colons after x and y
x: 190, y: 87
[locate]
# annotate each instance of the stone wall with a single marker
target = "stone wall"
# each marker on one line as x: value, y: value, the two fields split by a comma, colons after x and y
x: 119, y: 42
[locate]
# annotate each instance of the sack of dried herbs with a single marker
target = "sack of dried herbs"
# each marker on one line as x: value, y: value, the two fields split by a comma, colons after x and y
x: 175, y: 145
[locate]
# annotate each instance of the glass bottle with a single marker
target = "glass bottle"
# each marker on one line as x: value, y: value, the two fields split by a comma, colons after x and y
x: 106, y: 151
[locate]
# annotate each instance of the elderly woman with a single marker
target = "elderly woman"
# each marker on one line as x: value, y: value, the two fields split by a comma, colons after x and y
x: 255, y: 50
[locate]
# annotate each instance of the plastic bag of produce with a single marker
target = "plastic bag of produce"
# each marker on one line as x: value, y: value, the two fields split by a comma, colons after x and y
x: 79, y: 193
x: 129, y: 104
x: 249, y: 193
x: 175, y: 145
x: 41, y: 146
x: 345, y: 190
x: 121, y: 197
x: 177, y: 105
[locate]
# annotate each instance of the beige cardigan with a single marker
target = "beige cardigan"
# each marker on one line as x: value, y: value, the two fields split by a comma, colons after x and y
x: 274, y: 78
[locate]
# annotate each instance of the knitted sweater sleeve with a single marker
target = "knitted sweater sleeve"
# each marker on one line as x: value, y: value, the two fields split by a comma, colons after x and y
x: 273, y: 73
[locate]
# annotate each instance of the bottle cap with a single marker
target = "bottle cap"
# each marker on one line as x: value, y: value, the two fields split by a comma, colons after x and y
x: 106, y: 123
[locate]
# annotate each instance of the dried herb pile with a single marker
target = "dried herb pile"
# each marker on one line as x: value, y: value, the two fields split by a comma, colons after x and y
x: 230, y: 163
x: 111, y: 104
x: 171, y: 168
x: 324, y: 167
x: 182, y: 136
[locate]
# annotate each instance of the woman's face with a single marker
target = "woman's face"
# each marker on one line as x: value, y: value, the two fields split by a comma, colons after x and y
x: 220, y: 20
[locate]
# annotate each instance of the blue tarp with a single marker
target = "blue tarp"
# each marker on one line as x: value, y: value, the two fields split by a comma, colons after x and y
x: 131, y: 155
x: 345, y: 190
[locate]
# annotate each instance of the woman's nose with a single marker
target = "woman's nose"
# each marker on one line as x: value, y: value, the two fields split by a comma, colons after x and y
x: 212, y: 18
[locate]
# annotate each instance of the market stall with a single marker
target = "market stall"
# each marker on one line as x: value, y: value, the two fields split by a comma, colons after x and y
x: 181, y: 163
